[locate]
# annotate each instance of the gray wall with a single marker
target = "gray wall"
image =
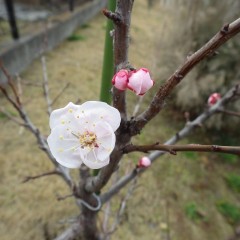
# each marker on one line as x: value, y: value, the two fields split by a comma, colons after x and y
x: 19, y: 55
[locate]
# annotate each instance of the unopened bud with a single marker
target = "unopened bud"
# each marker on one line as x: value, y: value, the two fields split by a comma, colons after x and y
x: 144, y: 162
x: 120, y: 80
x: 140, y: 81
x: 213, y: 98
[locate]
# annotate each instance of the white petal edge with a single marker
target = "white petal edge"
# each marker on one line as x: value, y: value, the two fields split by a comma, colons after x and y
x: 62, y: 115
x: 91, y: 161
x: 103, y: 112
x: 66, y: 152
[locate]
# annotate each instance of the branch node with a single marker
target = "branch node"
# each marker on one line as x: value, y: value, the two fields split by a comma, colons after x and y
x: 224, y: 29
x: 115, y: 17
x: 215, y: 148
x: 60, y: 198
x: 178, y: 77
x: 172, y: 152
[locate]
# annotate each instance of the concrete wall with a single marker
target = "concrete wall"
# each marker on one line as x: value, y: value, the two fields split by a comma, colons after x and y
x: 19, y: 55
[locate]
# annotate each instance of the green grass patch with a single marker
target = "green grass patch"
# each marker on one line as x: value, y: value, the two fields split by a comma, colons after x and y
x: 85, y: 26
x: 193, y: 213
x: 191, y: 155
x: 2, y: 116
x: 76, y: 37
x: 229, y: 158
x: 233, y: 181
x: 230, y: 211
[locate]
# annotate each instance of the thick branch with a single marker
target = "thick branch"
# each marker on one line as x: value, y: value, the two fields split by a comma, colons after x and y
x: 71, y: 233
x: 173, y: 149
x: 121, y: 44
x: 227, y: 32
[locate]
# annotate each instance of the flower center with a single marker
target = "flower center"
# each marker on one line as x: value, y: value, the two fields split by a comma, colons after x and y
x: 88, y: 139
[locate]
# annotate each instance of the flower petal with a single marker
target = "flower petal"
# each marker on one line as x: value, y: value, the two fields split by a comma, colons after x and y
x: 63, y: 115
x: 92, y: 162
x: 100, y: 111
x: 64, y: 147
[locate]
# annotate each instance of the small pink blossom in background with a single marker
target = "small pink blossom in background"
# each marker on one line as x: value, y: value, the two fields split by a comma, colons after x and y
x: 144, y: 162
x: 120, y: 79
x: 140, y: 81
x: 83, y: 134
x: 213, y: 98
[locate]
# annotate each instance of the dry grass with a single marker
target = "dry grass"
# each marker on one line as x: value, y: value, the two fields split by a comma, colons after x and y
x: 30, y: 211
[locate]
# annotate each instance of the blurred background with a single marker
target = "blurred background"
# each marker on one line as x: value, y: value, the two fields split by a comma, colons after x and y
x: 189, y: 196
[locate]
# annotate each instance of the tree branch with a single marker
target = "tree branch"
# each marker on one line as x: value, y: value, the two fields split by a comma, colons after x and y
x: 71, y: 233
x: 121, y: 44
x: 45, y: 85
x: 53, y: 172
x: 173, y: 149
x: 10, y: 83
x: 60, y: 93
x: 64, y: 172
x: 189, y: 127
x: 227, y: 32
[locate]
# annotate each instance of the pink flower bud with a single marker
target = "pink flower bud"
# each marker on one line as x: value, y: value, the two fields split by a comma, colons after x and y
x: 213, y: 98
x: 144, y: 162
x: 120, y: 79
x: 140, y: 81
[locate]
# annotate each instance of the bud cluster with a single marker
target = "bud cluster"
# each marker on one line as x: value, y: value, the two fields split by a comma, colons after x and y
x: 138, y: 81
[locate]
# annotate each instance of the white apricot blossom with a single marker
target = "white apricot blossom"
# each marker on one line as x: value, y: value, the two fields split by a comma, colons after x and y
x: 83, y: 134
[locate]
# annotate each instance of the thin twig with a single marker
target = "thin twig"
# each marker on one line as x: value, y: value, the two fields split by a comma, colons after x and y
x: 236, y: 114
x: 10, y: 83
x: 64, y: 172
x: 19, y: 87
x: 45, y: 85
x: 137, y: 106
x: 61, y: 198
x: 28, y: 178
x: 60, y: 93
x: 122, y: 207
x: 10, y: 117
